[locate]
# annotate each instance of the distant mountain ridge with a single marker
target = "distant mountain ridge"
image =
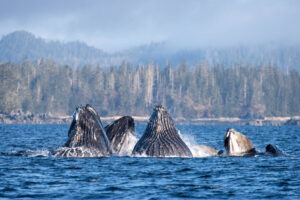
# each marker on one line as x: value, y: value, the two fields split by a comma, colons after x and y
x: 21, y: 45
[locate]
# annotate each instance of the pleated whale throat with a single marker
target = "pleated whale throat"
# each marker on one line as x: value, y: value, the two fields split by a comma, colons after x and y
x: 86, y: 136
x: 161, y: 138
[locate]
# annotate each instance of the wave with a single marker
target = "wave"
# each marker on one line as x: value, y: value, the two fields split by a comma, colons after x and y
x: 128, y: 145
x: 28, y: 153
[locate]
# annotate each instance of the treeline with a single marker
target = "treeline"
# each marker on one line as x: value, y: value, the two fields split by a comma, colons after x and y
x: 187, y: 91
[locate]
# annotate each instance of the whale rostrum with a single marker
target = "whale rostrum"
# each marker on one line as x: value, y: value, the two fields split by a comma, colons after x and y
x: 161, y: 138
x: 86, y: 136
x: 237, y: 144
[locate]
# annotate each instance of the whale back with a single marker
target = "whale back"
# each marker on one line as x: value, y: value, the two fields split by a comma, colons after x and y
x: 235, y: 143
x: 273, y: 150
x: 86, y: 135
x: 160, y: 138
x: 121, y: 134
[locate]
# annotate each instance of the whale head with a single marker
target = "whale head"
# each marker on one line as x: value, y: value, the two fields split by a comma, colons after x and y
x: 160, y: 120
x: 121, y: 134
x: 235, y: 143
x: 161, y: 138
x: 86, y: 134
x: 273, y: 150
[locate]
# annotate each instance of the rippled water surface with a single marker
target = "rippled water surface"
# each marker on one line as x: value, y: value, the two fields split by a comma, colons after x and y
x: 27, y: 170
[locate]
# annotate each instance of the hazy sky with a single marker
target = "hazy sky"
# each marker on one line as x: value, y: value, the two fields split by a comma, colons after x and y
x: 119, y: 24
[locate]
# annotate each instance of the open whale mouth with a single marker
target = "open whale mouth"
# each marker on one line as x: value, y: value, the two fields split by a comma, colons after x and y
x: 226, y: 144
x: 121, y: 134
x: 237, y: 144
x: 86, y: 135
x: 227, y: 141
x: 232, y: 143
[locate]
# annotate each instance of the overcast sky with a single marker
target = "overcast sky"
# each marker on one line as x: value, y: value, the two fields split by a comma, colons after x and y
x: 118, y: 24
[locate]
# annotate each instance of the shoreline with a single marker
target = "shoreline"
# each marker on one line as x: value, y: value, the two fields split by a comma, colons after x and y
x: 19, y: 117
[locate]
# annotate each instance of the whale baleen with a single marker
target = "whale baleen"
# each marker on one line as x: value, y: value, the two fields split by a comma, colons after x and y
x: 237, y: 144
x: 86, y: 136
x: 121, y: 134
x: 160, y: 138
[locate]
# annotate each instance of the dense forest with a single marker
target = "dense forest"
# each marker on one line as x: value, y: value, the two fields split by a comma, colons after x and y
x: 202, y: 90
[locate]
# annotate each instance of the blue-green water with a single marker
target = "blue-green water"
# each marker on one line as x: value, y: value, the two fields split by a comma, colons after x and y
x: 36, y: 175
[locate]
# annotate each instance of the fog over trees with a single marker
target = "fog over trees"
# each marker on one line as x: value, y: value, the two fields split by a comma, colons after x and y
x: 20, y: 45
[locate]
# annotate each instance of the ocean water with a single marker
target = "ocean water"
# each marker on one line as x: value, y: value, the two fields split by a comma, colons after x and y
x: 28, y: 171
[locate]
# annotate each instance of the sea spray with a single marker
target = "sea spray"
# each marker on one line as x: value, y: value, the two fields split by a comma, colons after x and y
x: 196, y: 149
x: 29, y: 153
x: 78, y: 152
x: 128, y: 145
x: 40, y: 153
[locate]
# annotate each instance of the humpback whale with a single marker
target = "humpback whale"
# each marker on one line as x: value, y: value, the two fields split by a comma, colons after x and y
x: 272, y: 150
x: 161, y: 138
x: 237, y: 144
x: 121, y: 134
x: 86, y: 136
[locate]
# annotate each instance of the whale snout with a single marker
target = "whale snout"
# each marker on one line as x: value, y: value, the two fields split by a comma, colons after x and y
x: 86, y: 134
x: 235, y: 143
x: 270, y: 148
x: 274, y: 151
x: 161, y: 138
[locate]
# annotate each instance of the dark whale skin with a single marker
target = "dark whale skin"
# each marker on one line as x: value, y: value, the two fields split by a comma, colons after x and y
x: 272, y: 150
x: 161, y: 138
x: 86, y: 136
x: 119, y: 132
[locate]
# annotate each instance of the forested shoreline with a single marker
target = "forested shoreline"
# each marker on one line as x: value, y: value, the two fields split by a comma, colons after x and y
x: 203, y: 90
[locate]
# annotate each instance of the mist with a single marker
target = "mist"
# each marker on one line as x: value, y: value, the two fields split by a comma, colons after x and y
x: 116, y: 25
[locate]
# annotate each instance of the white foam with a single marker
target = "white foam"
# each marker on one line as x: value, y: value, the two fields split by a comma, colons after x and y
x: 77, y: 152
x: 31, y: 153
x: 143, y: 155
x: 197, y: 150
x: 38, y: 153
x: 128, y: 145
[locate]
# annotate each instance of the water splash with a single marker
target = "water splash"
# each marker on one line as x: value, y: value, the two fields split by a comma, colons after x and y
x: 196, y: 149
x: 28, y: 153
x: 128, y: 145
x: 143, y: 155
x: 40, y: 153
x: 78, y: 152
